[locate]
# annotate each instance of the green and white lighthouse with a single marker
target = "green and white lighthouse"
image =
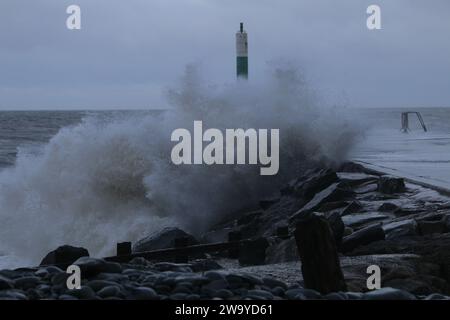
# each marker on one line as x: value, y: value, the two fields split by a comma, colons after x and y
x: 241, y: 53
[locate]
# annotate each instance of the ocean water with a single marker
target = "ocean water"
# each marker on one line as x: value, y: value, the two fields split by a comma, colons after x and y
x: 422, y: 156
x: 96, y: 178
x: 23, y: 131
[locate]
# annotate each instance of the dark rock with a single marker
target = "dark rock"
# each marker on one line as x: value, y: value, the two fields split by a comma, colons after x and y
x: 329, y: 206
x: 431, y: 217
x: 294, y: 294
x: 352, y: 207
x: 278, y: 291
x: 388, y: 207
x: 139, y: 261
x: 354, y: 295
x: 47, y: 271
x: 253, y: 252
x: 217, y: 235
x: 10, y: 274
x: 65, y: 255
x: 251, y: 279
x: 336, y: 296
x: 267, y: 203
x: 362, y: 237
x: 348, y: 231
x: 12, y: 295
x: 311, y: 294
x: 248, y: 217
x: 191, y: 279
x: 437, y: 296
x: 273, y: 283
x: 431, y: 227
x: 332, y: 193
x: 205, y: 265
x: 162, y: 240
x: 214, y: 275
x: 446, y: 220
x: 316, y: 182
x: 178, y: 296
x: 84, y: 293
x: 59, y: 279
x: 115, y: 277
x: 366, y: 188
x: 5, y: 283
x: 351, y: 167
x: 25, y: 283
x: 391, y: 185
x: 216, y: 285
x: 224, y: 294
x: 98, y: 285
x: 400, y: 229
x: 356, y: 179
x: 176, y: 267
x: 67, y: 297
x: 388, y: 294
x: 357, y: 220
x: 259, y: 295
x: 91, y: 266
x: 182, y: 289
x: 414, y: 286
x: 143, y: 293
x: 318, y: 254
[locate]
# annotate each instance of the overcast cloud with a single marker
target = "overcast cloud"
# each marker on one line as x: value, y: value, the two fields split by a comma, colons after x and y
x: 129, y: 51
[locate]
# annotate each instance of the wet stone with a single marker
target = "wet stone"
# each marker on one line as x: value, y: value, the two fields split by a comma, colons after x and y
x: 110, y: 291
x: 272, y: 283
x: 143, y: 293
x: 260, y: 294
x: 27, y: 282
x: 388, y: 294
x: 84, y: 293
x: 5, y: 283
x: 97, y: 285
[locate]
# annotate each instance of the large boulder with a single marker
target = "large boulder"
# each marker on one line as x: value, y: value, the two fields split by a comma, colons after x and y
x: 362, y: 237
x: 335, y: 192
x: 351, y: 167
x: 391, y: 185
x: 356, y: 179
x: 162, y: 240
x: 400, y: 229
x: 359, y: 220
x: 64, y: 255
x: 313, y: 182
x: 431, y: 227
x: 91, y: 267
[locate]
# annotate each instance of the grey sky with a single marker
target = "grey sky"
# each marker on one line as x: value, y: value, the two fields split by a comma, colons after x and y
x: 128, y: 52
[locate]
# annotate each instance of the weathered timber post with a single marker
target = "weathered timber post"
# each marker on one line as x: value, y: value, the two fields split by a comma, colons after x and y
x: 180, y: 243
x: 234, y: 236
x: 318, y: 254
x: 123, y: 249
x: 253, y: 253
x: 283, y: 232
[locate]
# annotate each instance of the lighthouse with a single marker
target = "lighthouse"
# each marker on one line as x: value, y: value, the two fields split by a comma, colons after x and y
x: 241, y: 53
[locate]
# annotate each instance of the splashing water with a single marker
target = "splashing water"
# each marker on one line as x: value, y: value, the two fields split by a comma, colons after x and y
x: 101, y: 182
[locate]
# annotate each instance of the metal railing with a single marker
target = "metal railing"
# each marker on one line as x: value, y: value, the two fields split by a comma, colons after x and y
x: 405, y: 121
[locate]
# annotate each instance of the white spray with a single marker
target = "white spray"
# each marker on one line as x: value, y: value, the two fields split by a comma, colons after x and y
x: 101, y: 182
